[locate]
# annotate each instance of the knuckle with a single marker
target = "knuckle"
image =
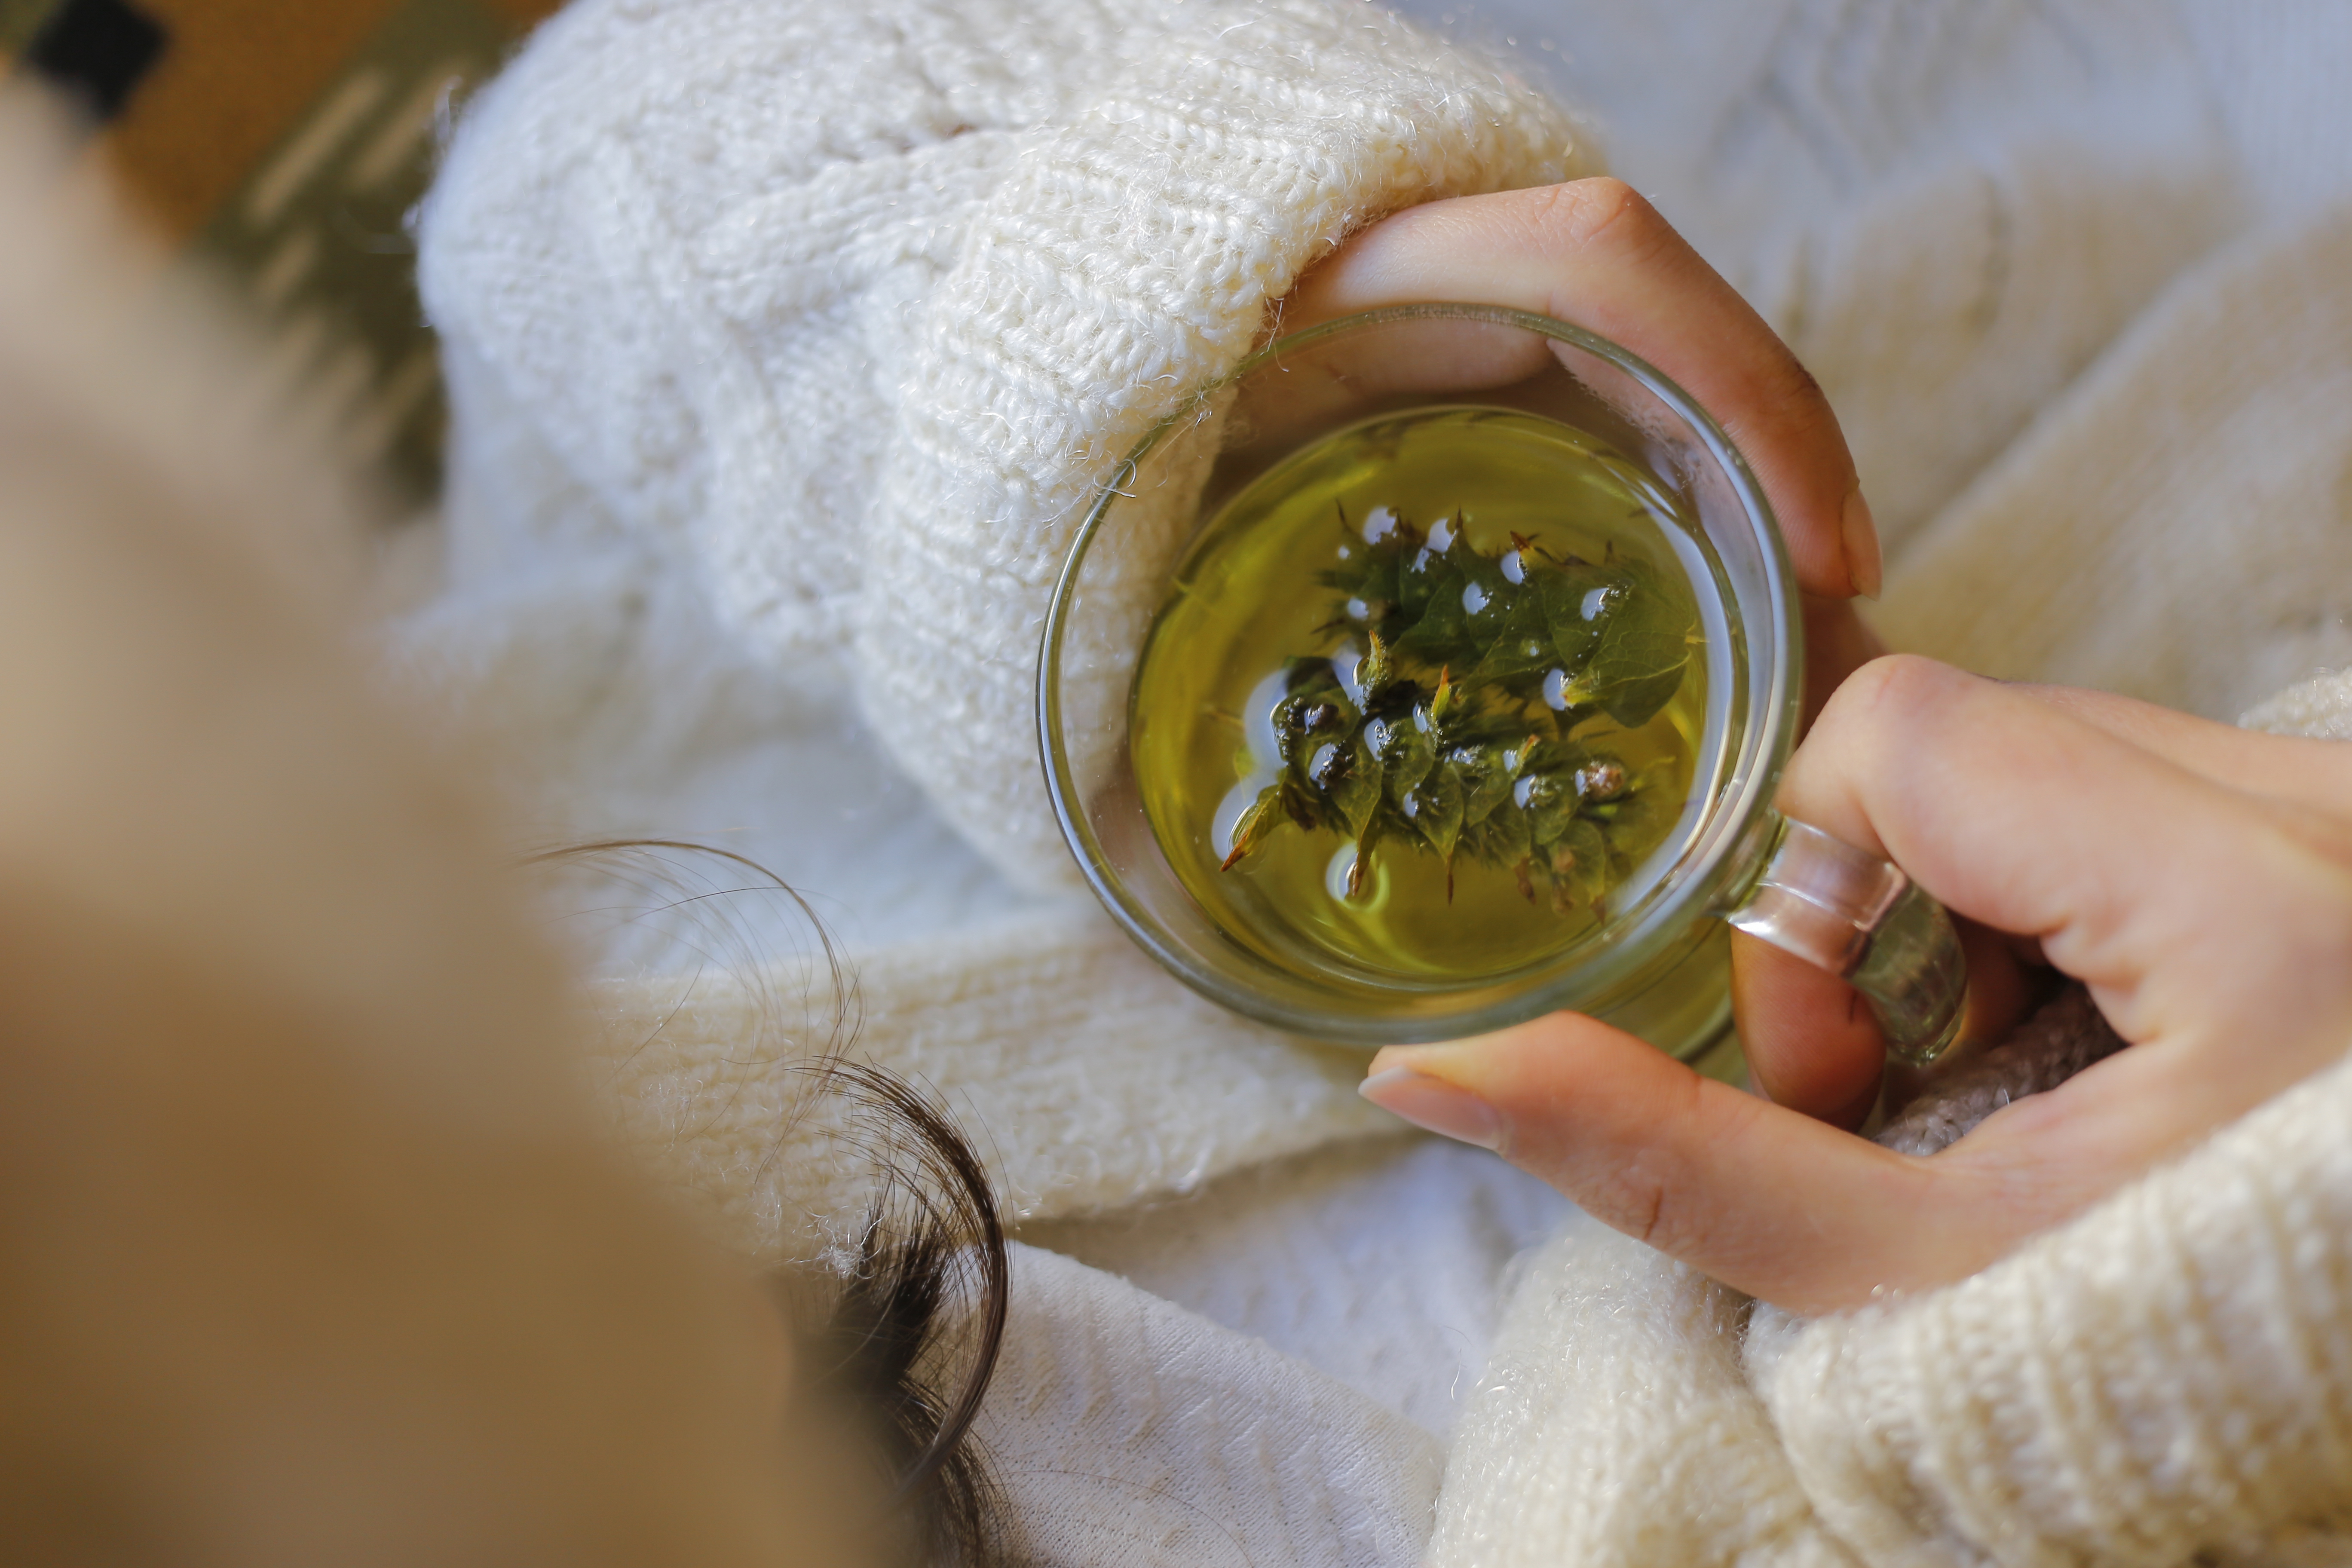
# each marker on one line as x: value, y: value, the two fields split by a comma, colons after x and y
x: 1633, y: 1201
x: 1651, y: 1191
x: 1657, y: 1206
x: 1797, y: 401
x: 1648, y: 1215
x: 1588, y: 214
x: 1892, y: 686
x: 1784, y: 412
x: 1871, y: 722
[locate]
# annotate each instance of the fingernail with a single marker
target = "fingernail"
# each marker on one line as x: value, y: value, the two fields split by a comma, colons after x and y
x: 1435, y: 1104
x: 1859, y: 532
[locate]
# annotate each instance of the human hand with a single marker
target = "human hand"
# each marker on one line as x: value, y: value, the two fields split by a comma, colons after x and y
x: 1594, y: 254
x: 2197, y: 879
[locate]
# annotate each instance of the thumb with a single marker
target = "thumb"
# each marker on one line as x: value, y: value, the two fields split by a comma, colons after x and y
x: 1764, y: 1199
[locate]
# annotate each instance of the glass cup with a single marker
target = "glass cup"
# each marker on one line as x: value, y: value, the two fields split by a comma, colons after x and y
x: 1655, y: 961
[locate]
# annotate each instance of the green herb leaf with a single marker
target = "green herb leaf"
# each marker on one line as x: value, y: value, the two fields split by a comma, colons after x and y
x: 1550, y: 806
x: 1576, y: 602
x: 1359, y: 869
x: 1356, y: 794
x: 1440, y: 630
x: 1485, y: 777
x: 1643, y: 648
x: 1522, y: 646
x: 1405, y: 755
x: 1301, y: 806
x: 1647, y: 811
x: 1264, y: 814
x: 1581, y: 862
x: 1475, y: 672
x: 1436, y: 810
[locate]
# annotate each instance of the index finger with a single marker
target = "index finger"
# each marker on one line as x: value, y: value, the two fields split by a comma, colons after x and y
x: 2187, y: 905
x: 1594, y: 253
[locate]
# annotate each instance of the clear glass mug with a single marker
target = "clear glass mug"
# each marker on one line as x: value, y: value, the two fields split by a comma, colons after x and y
x: 1655, y: 963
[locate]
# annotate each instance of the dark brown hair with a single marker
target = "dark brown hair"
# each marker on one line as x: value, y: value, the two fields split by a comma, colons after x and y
x: 901, y: 1332
x: 892, y: 1347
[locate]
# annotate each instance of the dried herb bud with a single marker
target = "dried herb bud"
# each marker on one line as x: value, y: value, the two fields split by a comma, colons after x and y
x: 1378, y: 668
x: 1601, y: 780
x: 1447, y: 697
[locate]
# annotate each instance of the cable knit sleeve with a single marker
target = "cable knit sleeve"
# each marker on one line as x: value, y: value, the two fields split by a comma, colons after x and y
x: 2169, y: 1375
x: 1129, y: 254
x: 844, y: 311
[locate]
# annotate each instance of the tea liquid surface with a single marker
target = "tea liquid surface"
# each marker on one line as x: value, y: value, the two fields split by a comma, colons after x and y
x: 1426, y: 697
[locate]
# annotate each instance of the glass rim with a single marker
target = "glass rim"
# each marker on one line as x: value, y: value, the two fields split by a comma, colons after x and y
x: 1742, y: 804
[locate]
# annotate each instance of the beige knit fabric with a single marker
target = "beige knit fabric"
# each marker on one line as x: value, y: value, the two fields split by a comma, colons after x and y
x: 2169, y: 1375
x: 2320, y: 706
x: 1136, y: 1433
x: 1115, y: 1085
x: 2173, y: 1373
x: 1614, y: 1425
x: 2172, y: 529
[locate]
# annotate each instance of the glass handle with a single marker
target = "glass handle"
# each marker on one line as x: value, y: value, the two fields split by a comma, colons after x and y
x: 1863, y: 919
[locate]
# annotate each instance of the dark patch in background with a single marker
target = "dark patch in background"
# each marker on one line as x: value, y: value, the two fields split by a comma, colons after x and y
x: 96, y: 51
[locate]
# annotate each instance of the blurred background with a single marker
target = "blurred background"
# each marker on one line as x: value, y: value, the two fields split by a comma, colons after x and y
x: 282, y: 143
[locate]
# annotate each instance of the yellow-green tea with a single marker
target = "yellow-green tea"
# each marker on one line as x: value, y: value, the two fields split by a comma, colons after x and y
x: 1426, y: 696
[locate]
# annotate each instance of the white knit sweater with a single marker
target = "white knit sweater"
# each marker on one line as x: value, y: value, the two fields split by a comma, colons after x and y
x: 864, y: 350
x: 783, y: 342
